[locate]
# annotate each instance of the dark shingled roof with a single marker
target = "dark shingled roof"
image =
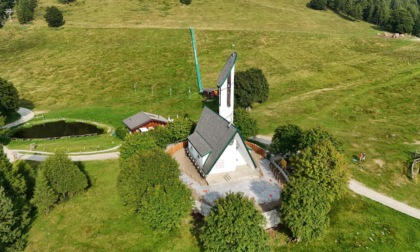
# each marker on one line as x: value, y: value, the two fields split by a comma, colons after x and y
x: 226, y: 69
x: 142, y: 118
x: 212, y: 133
x: 199, y: 143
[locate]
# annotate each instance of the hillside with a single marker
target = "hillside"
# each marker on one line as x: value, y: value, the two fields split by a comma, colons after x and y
x: 323, y: 70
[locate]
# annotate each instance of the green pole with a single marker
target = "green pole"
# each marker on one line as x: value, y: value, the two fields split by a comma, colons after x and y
x: 197, y: 68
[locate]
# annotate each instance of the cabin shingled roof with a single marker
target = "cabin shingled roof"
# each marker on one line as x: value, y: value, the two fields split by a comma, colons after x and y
x: 142, y: 118
x: 216, y: 132
x: 226, y: 69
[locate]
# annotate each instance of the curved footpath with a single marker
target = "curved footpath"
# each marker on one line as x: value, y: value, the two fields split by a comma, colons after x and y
x: 25, y: 115
x: 40, y: 156
x: 361, y: 189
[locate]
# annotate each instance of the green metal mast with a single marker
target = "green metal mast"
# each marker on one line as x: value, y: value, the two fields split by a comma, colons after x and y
x: 197, y: 68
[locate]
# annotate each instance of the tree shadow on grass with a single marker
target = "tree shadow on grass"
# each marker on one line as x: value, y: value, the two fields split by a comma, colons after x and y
x: 211, y: 103
x: 377, y: 27
x: 197, y: 223
x: 81, y: 167
x: 26, y: 104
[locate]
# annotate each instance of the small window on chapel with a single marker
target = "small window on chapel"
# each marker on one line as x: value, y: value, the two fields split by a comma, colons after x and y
x: 229, y: 90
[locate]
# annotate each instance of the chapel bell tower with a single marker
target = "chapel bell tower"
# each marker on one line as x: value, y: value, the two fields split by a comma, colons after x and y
x: 226, y: 86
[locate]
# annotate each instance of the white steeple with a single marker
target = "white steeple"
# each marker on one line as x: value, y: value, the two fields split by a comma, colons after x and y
x: 226, y: 86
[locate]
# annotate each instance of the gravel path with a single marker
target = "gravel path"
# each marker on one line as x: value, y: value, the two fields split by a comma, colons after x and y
x: 39, y: 156
x: 361, y: 189
x: 25, y: 115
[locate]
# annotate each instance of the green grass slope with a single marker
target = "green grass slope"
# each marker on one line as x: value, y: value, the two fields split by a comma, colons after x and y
x: 323, y: 70
x: 96, y: 220
x: 114, y: 58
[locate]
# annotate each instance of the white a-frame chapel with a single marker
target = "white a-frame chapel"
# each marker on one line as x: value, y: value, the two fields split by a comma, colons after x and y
x: 216, y: 146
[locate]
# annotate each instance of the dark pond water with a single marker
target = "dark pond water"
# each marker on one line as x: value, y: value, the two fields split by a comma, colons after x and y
x: 58, y: 129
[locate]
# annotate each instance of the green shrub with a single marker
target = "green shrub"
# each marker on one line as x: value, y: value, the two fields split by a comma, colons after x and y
x: 135, y: 143
x: 121, y: 132
x: 9, y: 97
x: 54, y: 17
x: 186, y: 2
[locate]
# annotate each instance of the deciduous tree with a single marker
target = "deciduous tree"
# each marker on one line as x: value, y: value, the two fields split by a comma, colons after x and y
x: 325, y: 165
x: 234, y: 224
x: 316, y: 135
x: 305, y: 208
x: 250, y: 86
x: 286, y: 138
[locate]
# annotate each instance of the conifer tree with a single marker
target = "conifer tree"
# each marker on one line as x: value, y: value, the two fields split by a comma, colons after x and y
x: 44, y: 195
x: 63, y: 175
x: 7, y: 221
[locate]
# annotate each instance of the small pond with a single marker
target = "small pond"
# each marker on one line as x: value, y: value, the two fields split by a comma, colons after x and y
x: 58, y: 129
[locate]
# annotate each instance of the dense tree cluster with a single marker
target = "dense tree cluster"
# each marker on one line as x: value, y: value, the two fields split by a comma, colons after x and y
x: 250, y: 86
x: 149, y: 183
x: 318, y: 178
x: 16, y: 185
x: 54, y: 17
x: 402, y: 16
x: 245, y: 123
x: 9, y: 97
x: 25, y: 10
x: 175, y: 131
x: 234, y: 224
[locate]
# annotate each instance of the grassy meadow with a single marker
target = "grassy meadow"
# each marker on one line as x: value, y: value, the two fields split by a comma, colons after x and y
x: 96, y: 220
x: 112, y: 59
